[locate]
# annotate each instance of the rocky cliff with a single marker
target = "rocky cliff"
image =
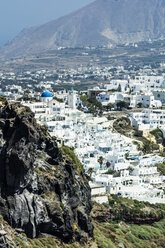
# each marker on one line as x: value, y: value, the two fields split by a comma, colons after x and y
x: 41, y: 190
x: 104, y: 22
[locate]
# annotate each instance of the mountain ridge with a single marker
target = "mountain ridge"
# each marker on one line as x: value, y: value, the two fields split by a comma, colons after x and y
x: 103, y: 22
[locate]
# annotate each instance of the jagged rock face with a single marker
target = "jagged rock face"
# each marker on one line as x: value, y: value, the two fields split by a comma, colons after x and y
x: 40, y: 190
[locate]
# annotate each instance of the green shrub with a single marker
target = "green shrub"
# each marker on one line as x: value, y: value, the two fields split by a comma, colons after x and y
x: 136, y: 242
x: 41, y: 156
x: 161, y: 168
x: 22, y: 243
x: 69, y: 152
x: 110, y: 172
x: 1, y: 218
x: 62, y: 205
x: 101, y: 240
x: 2, y: 99
x: 141, y: 232
x: 157, y: 133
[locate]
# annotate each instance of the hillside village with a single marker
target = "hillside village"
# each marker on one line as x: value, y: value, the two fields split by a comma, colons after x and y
x: 84, y: 121
x: 82, y: 124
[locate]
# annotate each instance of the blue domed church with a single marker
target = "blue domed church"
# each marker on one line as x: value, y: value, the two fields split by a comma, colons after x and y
x: 46, y: 96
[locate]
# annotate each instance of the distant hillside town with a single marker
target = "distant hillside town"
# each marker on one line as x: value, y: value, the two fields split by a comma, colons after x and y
x: 116, y: 129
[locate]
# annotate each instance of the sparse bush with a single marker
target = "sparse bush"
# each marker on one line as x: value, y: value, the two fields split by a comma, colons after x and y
x: 69, y: 152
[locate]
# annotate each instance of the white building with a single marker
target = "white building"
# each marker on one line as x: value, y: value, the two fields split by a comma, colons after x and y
x: 148, y: 119
x: 98, y: 193
x: 115, y: 84
x: 72, y: 99
x: 147, y: 100
x: 47, y: 109
x: 159, y: 95
x: 147, y: 83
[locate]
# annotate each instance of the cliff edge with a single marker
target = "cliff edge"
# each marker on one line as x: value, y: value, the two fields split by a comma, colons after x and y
x: 41, y: 190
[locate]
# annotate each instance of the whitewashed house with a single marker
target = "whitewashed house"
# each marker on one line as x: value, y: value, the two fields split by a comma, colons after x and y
x: 148, y: 119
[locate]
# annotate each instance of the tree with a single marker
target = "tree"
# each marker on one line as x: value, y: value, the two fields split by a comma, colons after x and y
x: 122, y: 104
x: 108, y: 164
x: 126, y: 155
x: 90, y: 171
x: 27, y: 92
x: 84, y: 98
x: 80, y: 108
x: 110, y: 106
x: 94, y: 106
x: 130, y: 170
x: 110, y: 172
x: 119, y: 88
x: 100, y: 161
x: 139, y: 105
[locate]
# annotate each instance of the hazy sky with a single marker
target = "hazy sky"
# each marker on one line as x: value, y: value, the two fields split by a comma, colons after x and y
x: 18, y: 14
